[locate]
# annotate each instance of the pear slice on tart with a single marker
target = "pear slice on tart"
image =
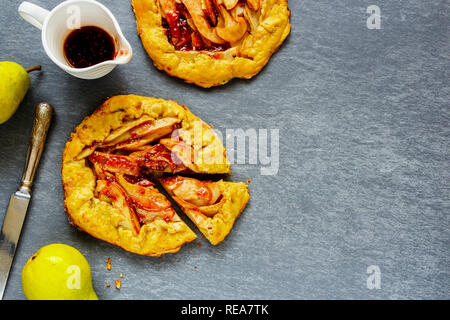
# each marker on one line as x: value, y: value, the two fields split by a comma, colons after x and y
x: 233, y: 29
x: 209, y: 11
x: 142, y: 134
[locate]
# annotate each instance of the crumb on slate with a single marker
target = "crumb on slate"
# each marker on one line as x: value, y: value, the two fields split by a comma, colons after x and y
x: 108, y: 264
x: 118, y: 284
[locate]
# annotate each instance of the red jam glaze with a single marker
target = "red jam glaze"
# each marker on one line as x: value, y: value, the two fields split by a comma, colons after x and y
x: 181, y: 35
x: 140, y: 181
x: 157, y: 158
x: 115, y: 163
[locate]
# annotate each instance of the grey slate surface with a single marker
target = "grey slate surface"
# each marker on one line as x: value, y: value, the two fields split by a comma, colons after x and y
x: 364, y: 159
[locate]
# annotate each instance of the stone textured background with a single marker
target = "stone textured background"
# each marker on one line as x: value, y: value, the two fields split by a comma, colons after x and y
x: 364, y: 159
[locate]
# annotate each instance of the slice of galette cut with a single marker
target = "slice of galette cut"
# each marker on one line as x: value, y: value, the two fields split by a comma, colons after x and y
x: 212, y: 206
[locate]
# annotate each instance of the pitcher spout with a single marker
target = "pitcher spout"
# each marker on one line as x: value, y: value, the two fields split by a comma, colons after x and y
x: 124, y: 52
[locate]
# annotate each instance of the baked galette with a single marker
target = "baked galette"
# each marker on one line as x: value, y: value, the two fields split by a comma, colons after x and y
x: 209, y: 42
x: 114, y: 154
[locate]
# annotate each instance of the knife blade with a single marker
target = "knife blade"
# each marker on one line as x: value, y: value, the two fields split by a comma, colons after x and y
x: 18, y: 204
x: 9, y: 236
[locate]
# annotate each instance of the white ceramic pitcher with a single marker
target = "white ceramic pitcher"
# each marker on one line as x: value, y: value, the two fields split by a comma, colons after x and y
x: 57, y: 24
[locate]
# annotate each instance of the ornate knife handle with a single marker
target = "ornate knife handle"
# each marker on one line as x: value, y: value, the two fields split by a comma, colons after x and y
x: 42, y: 120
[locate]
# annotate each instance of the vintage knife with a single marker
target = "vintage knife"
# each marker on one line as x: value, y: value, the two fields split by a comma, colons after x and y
x: 18, y: 204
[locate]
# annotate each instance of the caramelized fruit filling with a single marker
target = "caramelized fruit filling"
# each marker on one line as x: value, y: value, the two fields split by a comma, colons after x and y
x: 121, y: 167
x: 207, y: 25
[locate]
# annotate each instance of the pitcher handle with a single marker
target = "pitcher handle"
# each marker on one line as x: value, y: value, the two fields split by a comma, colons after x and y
x: 33, y: 14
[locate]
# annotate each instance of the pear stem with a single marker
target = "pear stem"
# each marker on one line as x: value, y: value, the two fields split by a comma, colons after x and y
x: 36, y: 68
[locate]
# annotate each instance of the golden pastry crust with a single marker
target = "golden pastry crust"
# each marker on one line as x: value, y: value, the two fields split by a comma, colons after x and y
x: 214, y: 220
x: 268, y: 27
x: 102, y: 219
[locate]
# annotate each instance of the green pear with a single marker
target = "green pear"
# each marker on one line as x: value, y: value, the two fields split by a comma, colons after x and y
x: 57, y: 272
x: 14, y: 84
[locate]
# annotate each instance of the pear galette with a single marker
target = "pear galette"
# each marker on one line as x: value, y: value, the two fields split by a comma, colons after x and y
x: 107, y: 171
x: 209, y: 42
